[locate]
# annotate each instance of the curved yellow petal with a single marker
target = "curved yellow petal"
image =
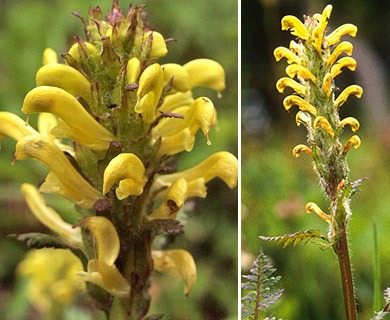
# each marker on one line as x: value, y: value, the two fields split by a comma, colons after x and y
x: 303, y: 105
x: 318, y: 32
x: 45, y: 150
x: 182, y: 141
x: 343, y: 47
x: 302, y: 118
x: 158, y: 47
x: 354, y: 141
x: 284, y: 82
x: 294, y: 69
x: 312, y: 207
x: 173, y: 201
x: 107, y: 277
x: 345, y: 62
x: 299, y: 149
x: 282, y: 52
x: 176, y: 77
x: 133, y: 70
x: 49, y: 56
x: 106, y: 238
x: 125, y: 166
x: 49, y: 217
x: 322, y: 122
x: 295, y: 26
x: 327, y: 84
x: 344, y: 29
x: 206, y: 73
x: 85, y: 129
x: 177, y: 263
x: 176, y: 100
x: 343, y: 96
x: 65, y: 77
x: 355, y: 125
x: 12, y: 126
x: 221, y: 164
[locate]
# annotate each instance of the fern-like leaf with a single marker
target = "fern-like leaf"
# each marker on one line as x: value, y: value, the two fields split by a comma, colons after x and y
x: 312, y: 236
x: 259, y: 285
x: 386, y: 309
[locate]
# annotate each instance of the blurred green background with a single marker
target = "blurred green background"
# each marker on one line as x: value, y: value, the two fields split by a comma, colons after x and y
x: 203, y: 29
x: 276, y: 186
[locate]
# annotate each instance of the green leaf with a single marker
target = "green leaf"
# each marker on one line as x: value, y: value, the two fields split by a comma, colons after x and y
x: 296, y: 238
x: 40, y: 240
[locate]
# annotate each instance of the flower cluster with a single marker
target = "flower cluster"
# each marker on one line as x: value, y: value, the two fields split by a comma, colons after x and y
x: 110, y: 118
x: 314, y: 61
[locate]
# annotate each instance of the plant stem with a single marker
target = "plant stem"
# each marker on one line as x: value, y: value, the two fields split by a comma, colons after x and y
x: 341, y: 249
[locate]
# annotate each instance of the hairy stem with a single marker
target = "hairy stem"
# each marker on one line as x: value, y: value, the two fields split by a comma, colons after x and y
x: 341, y: 249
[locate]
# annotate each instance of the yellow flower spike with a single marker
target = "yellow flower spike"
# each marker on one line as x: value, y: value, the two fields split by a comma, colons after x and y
x: 318, y: 32
x: 302, y: 118
x: 295, y: 26
x: 65, y: 77
x: 206, y: 73
x: 45, y: 150
x: 133, y: 69
x: 12, y: 126
x: 343, y: 47
x: 312, y: 207
x: 49, y: 56
x: 288, y: 82
x: 221, y: 164
x: 176, y: 100
x: 184, y: 140
x: 293, y: 70
x: 355, y: 125
x: 322, y: 122
x: 128, y: 167
x: 336, y: 35
x: 176, y: 76
x: 102, y: 271
x: 354, y: 141
x: 343, y: 96
x: 177, y: 263
x: 173, y: 201
x: 158, y: 46
x: 299, y: 149
x: 49, y: 217
x: 149, y: 92
x: 303, y: 105
x: 84, y: 128
x: 282, y: 52
x: 345, y: 62
x: 327, y: 84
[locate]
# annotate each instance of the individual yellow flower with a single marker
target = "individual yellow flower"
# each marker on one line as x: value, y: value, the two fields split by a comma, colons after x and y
x: 322, y: 122
x: 51, y: 278
x: 312, y: 207
x: 177, y: 263
x: 295, y: 26
x: 128, y: 170
x: 12, y: 126
x: 71, y: 182
x: 102, y: 270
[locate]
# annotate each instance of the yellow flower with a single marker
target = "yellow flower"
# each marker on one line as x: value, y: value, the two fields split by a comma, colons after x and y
x: 156, y: 42
x: 177, y: 263
x: 354, y: 141
x: 128, y: 170
x: 347, y: 62
x: 343, y: 47
x: 174, y: 200
x: 12, y: 126
x: 49, y: 56
x: 351, y: 122
x: 328, y: 84
x: 75, y: 118
x: 49, y: 217
x: 221, y: 164
x: 72, y: 184
x: 322, y: 122
x: 282, y: 52
x: 176, y: 77
x: 102, y: 270
x: 51, y: 274
x: 294, y: 69
x: 295, y: 26
x: 303, y: 105
x: 312, y: 207
x: 288, y: 82
x: 318, y: 31
x: 336, y: 35
x: 343, y: 96
x: 299, y: 149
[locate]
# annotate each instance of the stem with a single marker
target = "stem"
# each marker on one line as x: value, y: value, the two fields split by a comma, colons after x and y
x: 341, y: 249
